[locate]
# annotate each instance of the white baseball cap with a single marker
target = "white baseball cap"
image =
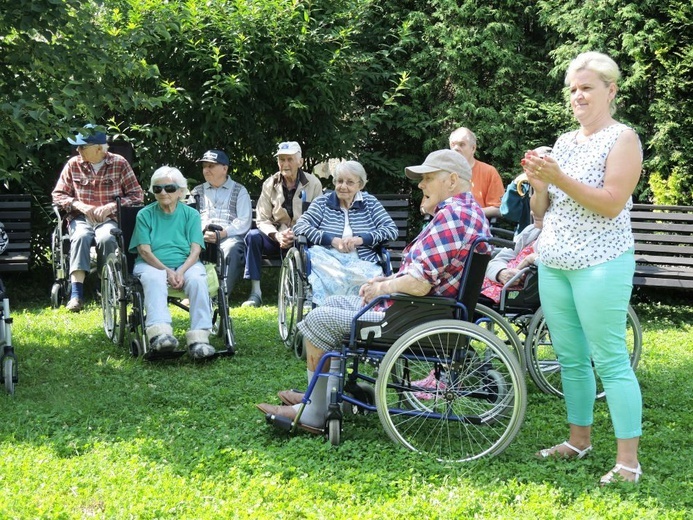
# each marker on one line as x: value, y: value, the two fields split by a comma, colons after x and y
x: 288, y: 148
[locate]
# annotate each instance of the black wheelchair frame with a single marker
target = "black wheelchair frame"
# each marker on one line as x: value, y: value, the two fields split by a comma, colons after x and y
x: 60, y: 259
x: 478, y: 402
x: 122, y: 296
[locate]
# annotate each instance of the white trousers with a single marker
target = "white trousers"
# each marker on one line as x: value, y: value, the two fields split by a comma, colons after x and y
x: 156, y: 295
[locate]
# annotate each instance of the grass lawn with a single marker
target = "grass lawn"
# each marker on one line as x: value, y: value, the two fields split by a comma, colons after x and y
x: 94, y: 433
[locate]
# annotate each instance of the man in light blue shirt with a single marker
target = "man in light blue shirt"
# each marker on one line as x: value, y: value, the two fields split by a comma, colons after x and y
x: 224, y: 206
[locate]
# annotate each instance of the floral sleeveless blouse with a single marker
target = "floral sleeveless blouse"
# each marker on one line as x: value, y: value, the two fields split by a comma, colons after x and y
x: 574, y: 237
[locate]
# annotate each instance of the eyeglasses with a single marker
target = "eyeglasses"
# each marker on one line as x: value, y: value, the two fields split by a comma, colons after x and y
x: 168, y: 188
x: 83, y: 147
x: 349, y: 184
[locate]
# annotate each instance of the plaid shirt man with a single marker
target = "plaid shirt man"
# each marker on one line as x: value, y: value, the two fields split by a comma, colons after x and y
x: 79, y: 182
x: 438, y: 254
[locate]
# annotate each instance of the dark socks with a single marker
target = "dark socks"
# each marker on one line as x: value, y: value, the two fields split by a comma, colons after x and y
x: 77, y: 290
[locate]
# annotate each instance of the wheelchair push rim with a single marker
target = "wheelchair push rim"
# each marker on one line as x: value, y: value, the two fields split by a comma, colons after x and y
x: 451, y: 390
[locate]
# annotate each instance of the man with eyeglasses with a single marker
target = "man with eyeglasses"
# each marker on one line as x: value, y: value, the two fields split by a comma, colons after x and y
x: 279, y: 206
x: 86, y: 190
x: 225, y: 207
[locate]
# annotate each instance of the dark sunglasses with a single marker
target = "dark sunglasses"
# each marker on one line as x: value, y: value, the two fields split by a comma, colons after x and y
x: 168, y: 188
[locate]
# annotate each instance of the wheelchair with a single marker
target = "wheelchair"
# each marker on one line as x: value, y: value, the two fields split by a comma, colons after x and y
x: 122, y: 296
x: 60, y: 259
x: 294, y: 295
x: 60, y: 256
x: 518, y: 320
x: 476, y: 404
x: 8, y: 360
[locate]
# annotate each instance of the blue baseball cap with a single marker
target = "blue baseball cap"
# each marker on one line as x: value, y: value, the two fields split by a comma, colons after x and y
x: 93, y: 138
x: 215, y: 156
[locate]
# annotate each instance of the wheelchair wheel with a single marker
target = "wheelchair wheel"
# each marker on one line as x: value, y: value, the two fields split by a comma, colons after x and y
x: 503, y: 329
x: 334, y: 431
x: 297, y: 341
x: 9, y: 373
x: 137, y: 337
x: 113, y: 300
x: 542, y: 361
x: 451, y: 389
x: 222, y: 324
x: 56, y: 295
x: 291, y: 296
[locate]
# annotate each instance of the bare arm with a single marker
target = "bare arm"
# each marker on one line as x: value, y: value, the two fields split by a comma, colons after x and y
x: 406, y: 284
x: 174, y: 278
x: 623, y: 167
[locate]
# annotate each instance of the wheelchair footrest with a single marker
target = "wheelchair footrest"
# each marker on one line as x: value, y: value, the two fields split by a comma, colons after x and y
x: 155, y: 355
x: 228, y: 351
x: 288, y: 425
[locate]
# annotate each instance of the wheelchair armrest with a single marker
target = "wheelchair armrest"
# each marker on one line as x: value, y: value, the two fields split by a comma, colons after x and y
x: 384, y: 257
x: 429, y: 300
x: 511, y: 285
x: 501, y: 242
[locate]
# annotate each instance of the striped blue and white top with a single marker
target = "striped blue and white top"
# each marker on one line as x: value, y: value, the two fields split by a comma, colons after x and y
x: 325, y: 219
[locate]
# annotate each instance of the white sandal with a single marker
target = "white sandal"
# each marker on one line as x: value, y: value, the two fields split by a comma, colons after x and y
x: 614, y: 476
x: 579, y: 454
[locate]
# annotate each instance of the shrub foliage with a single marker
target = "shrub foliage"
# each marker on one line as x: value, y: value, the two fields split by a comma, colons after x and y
x: 383, y: 81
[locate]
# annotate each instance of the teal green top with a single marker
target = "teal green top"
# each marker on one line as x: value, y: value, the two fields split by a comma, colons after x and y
x: 170, y: 235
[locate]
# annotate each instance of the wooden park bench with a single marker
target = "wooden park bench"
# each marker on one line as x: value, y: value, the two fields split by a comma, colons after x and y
x: 663, y: 246
x: 15, y: 215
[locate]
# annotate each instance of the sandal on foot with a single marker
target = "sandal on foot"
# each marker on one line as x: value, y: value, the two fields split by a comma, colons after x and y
x: 614, y: 476
x: 553, y: 452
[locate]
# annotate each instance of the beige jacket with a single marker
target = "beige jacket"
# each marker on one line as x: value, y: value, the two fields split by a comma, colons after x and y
x: 270, y: 216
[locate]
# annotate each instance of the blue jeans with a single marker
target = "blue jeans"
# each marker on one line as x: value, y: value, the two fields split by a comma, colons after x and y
x: 257, y: 243
x: 82, y: 236
x: 586, y: 311
x: 234, y: 253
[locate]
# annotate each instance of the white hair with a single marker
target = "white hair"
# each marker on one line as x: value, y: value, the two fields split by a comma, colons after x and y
x: 169, y: 172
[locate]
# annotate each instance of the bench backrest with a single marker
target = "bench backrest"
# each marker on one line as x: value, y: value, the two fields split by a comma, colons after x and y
x: 15, y: 215
x: 663, y: 245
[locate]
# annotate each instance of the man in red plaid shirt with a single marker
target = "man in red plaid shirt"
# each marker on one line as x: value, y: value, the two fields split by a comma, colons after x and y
x: 433, y: 265
x: 86, y: 191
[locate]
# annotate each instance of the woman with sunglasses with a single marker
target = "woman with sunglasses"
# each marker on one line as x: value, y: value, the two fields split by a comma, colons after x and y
x: 168, y: 240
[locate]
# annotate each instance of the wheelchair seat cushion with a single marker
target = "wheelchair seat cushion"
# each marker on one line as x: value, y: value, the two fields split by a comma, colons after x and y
x: 212, y: 283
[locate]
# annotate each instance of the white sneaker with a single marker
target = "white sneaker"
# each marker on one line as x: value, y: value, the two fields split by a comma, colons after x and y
x: 254, y: 300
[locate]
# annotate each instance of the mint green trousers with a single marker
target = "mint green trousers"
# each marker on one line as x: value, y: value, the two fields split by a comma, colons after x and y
x: 586, y: 311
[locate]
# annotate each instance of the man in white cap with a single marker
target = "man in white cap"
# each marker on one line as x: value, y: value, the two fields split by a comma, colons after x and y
x: 432, y: 265
x: 277, y: 210
x: 87, y: 190
x: 225, y: 207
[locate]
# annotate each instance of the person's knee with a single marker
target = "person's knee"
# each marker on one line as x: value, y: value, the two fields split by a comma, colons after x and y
x: 151, y: 277
x: 253, y: 237
x: 104, y: 241
x: 81, y: 240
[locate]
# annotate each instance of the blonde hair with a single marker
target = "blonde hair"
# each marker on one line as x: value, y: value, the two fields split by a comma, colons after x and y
x: 599, y: 63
